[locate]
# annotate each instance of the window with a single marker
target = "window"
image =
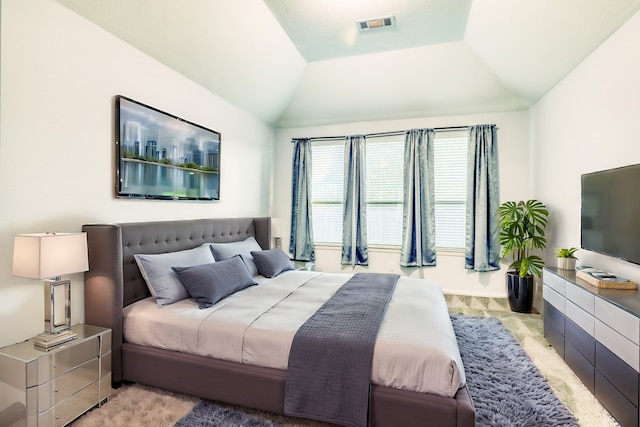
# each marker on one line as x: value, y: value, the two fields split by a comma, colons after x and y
x: 327, y: 188
x: 385, y: 163
x: 450, y: 180
x: 385, y: 158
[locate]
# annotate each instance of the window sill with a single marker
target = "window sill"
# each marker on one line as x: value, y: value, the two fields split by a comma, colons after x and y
x: 391, y: 249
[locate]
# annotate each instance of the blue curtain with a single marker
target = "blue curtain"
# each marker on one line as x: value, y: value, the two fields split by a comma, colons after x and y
x: 418, y: 223
x: 301, y: 240
x: 482, y: 244
x: 354, y: 232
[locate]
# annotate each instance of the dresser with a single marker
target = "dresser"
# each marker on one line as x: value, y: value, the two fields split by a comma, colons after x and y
x: 597, y: 332
x: 53, y: 387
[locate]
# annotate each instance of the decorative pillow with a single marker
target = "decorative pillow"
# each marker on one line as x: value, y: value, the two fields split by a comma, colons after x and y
x: 161, y: 280
x: 210, y: 283
x: 272, y: 262
x: 227, y: 250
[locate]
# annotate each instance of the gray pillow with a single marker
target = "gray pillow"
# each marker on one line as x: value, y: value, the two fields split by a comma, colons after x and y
x: 227, y: 250
x: 161, y: 280
x: 272, y: 262
x: 210, y: 283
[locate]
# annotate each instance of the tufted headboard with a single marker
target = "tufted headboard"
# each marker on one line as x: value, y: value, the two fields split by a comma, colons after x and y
x: 114, y: 280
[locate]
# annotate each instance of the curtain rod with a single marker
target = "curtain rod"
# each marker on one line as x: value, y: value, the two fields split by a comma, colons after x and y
x: 380, y: 134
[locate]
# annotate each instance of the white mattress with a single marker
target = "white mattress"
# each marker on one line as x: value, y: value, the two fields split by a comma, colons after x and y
x: 416, y: 348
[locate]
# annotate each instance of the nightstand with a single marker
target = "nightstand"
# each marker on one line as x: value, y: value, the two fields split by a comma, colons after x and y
x: 304, y: 265
x: 53, y: 387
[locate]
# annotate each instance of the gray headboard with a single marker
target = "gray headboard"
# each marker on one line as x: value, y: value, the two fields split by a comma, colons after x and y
x: 114, y: 280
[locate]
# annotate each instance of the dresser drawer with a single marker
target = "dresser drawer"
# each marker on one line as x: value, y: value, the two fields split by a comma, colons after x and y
x: 553, y: 298
x: 58, y: 389
x: 619, y: 406
x: 581, y: 341
x: 554, y: 325
x: 619, y: 345
x: 619, y: 374
x: 59, y: 362
x: 581, y: 318
x: 581, y: 298
x: 71, y: 407
x: 580, y: 366
x: 556, y: 283
x: 623, y: 322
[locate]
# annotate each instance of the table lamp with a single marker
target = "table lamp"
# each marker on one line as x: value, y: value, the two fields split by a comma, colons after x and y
x: 48, y: 256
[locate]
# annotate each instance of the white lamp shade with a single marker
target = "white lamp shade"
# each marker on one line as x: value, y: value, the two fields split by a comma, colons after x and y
x: 47, y: 255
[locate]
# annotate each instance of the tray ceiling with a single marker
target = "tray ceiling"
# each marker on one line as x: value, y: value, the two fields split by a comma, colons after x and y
x: 299, y: 63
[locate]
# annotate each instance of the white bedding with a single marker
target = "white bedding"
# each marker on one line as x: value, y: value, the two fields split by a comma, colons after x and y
x: 416, y: 348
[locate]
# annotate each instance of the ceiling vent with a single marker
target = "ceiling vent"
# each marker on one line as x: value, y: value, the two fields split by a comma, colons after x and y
x: 377, y: 23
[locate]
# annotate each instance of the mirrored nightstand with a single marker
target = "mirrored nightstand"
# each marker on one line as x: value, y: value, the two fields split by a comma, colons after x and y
x: 52, y: 387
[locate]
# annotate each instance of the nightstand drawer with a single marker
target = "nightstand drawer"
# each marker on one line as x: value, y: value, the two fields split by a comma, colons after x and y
x: 106, y: 342
x: 71, y: 407
x: 60, y: 388
x: 59, y: 362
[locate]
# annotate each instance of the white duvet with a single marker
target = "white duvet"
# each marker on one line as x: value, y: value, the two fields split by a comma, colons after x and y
x: 416, y: 348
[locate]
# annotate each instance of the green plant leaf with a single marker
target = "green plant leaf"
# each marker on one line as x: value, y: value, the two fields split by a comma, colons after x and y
x: 522, y: 228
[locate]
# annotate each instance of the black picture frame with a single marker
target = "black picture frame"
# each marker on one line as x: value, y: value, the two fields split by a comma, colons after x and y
x: 162, y: 156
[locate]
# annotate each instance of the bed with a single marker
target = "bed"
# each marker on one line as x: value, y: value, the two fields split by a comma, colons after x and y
x: 114, y: 287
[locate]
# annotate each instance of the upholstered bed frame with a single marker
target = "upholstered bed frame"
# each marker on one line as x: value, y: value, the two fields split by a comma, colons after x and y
x: 114, y: 281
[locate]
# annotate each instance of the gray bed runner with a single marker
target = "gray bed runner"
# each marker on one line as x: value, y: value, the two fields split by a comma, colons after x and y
x: 329, y: 372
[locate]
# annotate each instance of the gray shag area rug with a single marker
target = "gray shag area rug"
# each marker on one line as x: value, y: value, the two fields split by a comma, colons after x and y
x: 208, y: 414
x: 506, y: 387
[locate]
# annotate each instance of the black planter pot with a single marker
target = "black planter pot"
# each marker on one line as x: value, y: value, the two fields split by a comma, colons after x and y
x: 520, y: 292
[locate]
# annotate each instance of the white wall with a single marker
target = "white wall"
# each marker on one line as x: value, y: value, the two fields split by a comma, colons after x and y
x: 513, y: 141
x: 588, y: 122
x: 59, y: 75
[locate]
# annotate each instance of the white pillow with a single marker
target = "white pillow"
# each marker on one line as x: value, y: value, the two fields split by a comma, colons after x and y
x: 162, y: 281
x: 244, y: 248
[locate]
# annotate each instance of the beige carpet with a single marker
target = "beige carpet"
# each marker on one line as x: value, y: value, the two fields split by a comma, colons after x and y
x: 135, y: 405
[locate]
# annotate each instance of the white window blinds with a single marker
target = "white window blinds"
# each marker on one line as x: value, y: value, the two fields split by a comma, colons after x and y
x: 327, y: 190
x: 450, y: 179
x: 385, y: 168
x: 385, y: 158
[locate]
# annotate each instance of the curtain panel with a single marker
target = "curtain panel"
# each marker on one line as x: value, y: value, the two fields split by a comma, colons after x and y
x: 301, y: 239
x: 418, y: 223
x: 482, y: 244
x: 354, y: 232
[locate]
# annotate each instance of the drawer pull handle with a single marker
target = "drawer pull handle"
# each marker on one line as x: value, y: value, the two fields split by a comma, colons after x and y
x: 55, y: 391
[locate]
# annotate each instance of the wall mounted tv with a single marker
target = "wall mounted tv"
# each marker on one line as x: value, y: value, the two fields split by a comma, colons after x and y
x: 610, y: 212
x: 161, y: 156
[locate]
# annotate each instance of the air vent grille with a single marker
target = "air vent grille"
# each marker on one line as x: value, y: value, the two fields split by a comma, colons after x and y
x: 377, y: 23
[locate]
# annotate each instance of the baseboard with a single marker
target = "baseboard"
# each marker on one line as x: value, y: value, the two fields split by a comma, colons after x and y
x: 474, y: 294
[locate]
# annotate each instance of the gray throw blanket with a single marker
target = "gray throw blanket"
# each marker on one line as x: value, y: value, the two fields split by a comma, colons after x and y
x: 329, y: 372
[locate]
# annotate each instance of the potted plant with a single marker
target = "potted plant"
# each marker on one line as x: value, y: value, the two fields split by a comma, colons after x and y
x: 566, y: 258
x: 522, y: 229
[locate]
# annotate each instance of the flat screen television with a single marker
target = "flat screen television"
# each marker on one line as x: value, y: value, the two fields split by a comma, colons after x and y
x: 610, y: 212
x: 162, y: 156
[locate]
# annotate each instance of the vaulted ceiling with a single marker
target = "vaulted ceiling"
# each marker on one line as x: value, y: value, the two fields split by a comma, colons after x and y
x: 299, y: 63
